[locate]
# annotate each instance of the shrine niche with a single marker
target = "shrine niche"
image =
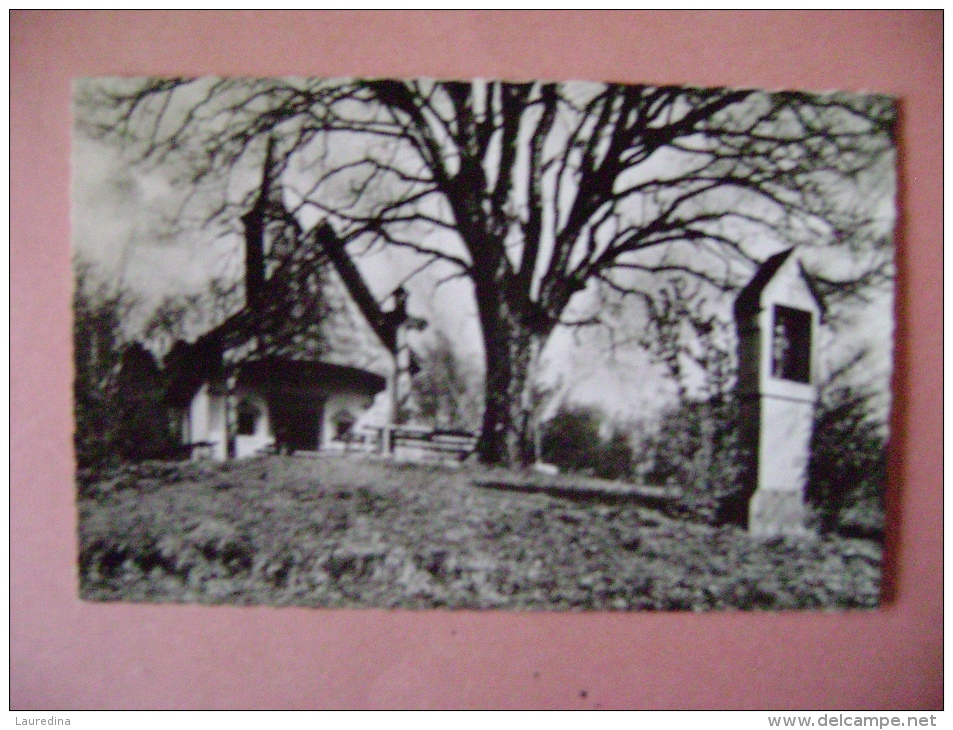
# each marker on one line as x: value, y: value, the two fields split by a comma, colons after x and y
x: 791, y: 344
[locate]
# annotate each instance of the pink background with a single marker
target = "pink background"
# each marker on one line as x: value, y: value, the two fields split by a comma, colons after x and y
x: 69, y: 655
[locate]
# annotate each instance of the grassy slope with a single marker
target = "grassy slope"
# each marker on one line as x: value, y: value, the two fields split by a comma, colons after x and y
x: 334, y: 532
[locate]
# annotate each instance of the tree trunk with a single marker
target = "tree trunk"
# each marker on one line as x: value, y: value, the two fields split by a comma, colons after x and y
x: 511, y: 344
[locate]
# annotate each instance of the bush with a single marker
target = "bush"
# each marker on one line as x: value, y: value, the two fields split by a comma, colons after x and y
x: 141, y: 429
x: 696, y: 451
x: 616, y: 459
x: 847, y: 473
x: 571, y: 440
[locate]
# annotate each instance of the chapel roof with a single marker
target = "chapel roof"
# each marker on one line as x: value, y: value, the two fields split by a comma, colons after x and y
x: 298, y: 308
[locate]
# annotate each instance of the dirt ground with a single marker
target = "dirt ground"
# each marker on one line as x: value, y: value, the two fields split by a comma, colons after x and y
x: 338, y: 532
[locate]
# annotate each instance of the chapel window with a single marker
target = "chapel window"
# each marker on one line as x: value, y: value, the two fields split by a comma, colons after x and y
x: 344, y: 425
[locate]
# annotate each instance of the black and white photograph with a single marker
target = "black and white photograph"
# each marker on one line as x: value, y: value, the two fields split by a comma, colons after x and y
x: 421, y: 344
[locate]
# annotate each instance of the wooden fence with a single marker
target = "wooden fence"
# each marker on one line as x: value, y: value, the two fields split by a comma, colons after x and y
x: 413, y: 443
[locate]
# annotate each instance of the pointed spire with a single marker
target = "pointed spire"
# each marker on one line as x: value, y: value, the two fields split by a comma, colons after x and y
x: 254, y: 221
x: 269, y: 192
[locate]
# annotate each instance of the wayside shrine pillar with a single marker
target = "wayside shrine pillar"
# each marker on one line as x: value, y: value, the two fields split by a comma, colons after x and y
x: 777, y: 315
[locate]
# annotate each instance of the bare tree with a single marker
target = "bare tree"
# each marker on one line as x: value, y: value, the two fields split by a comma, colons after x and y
x: 447, y: 390
x: 538, y: 192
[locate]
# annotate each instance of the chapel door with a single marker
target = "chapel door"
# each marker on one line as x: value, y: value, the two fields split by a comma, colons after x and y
x: 297, y: 422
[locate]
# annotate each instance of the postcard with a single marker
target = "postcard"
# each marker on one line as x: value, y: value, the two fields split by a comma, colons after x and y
x: 477, y: 344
